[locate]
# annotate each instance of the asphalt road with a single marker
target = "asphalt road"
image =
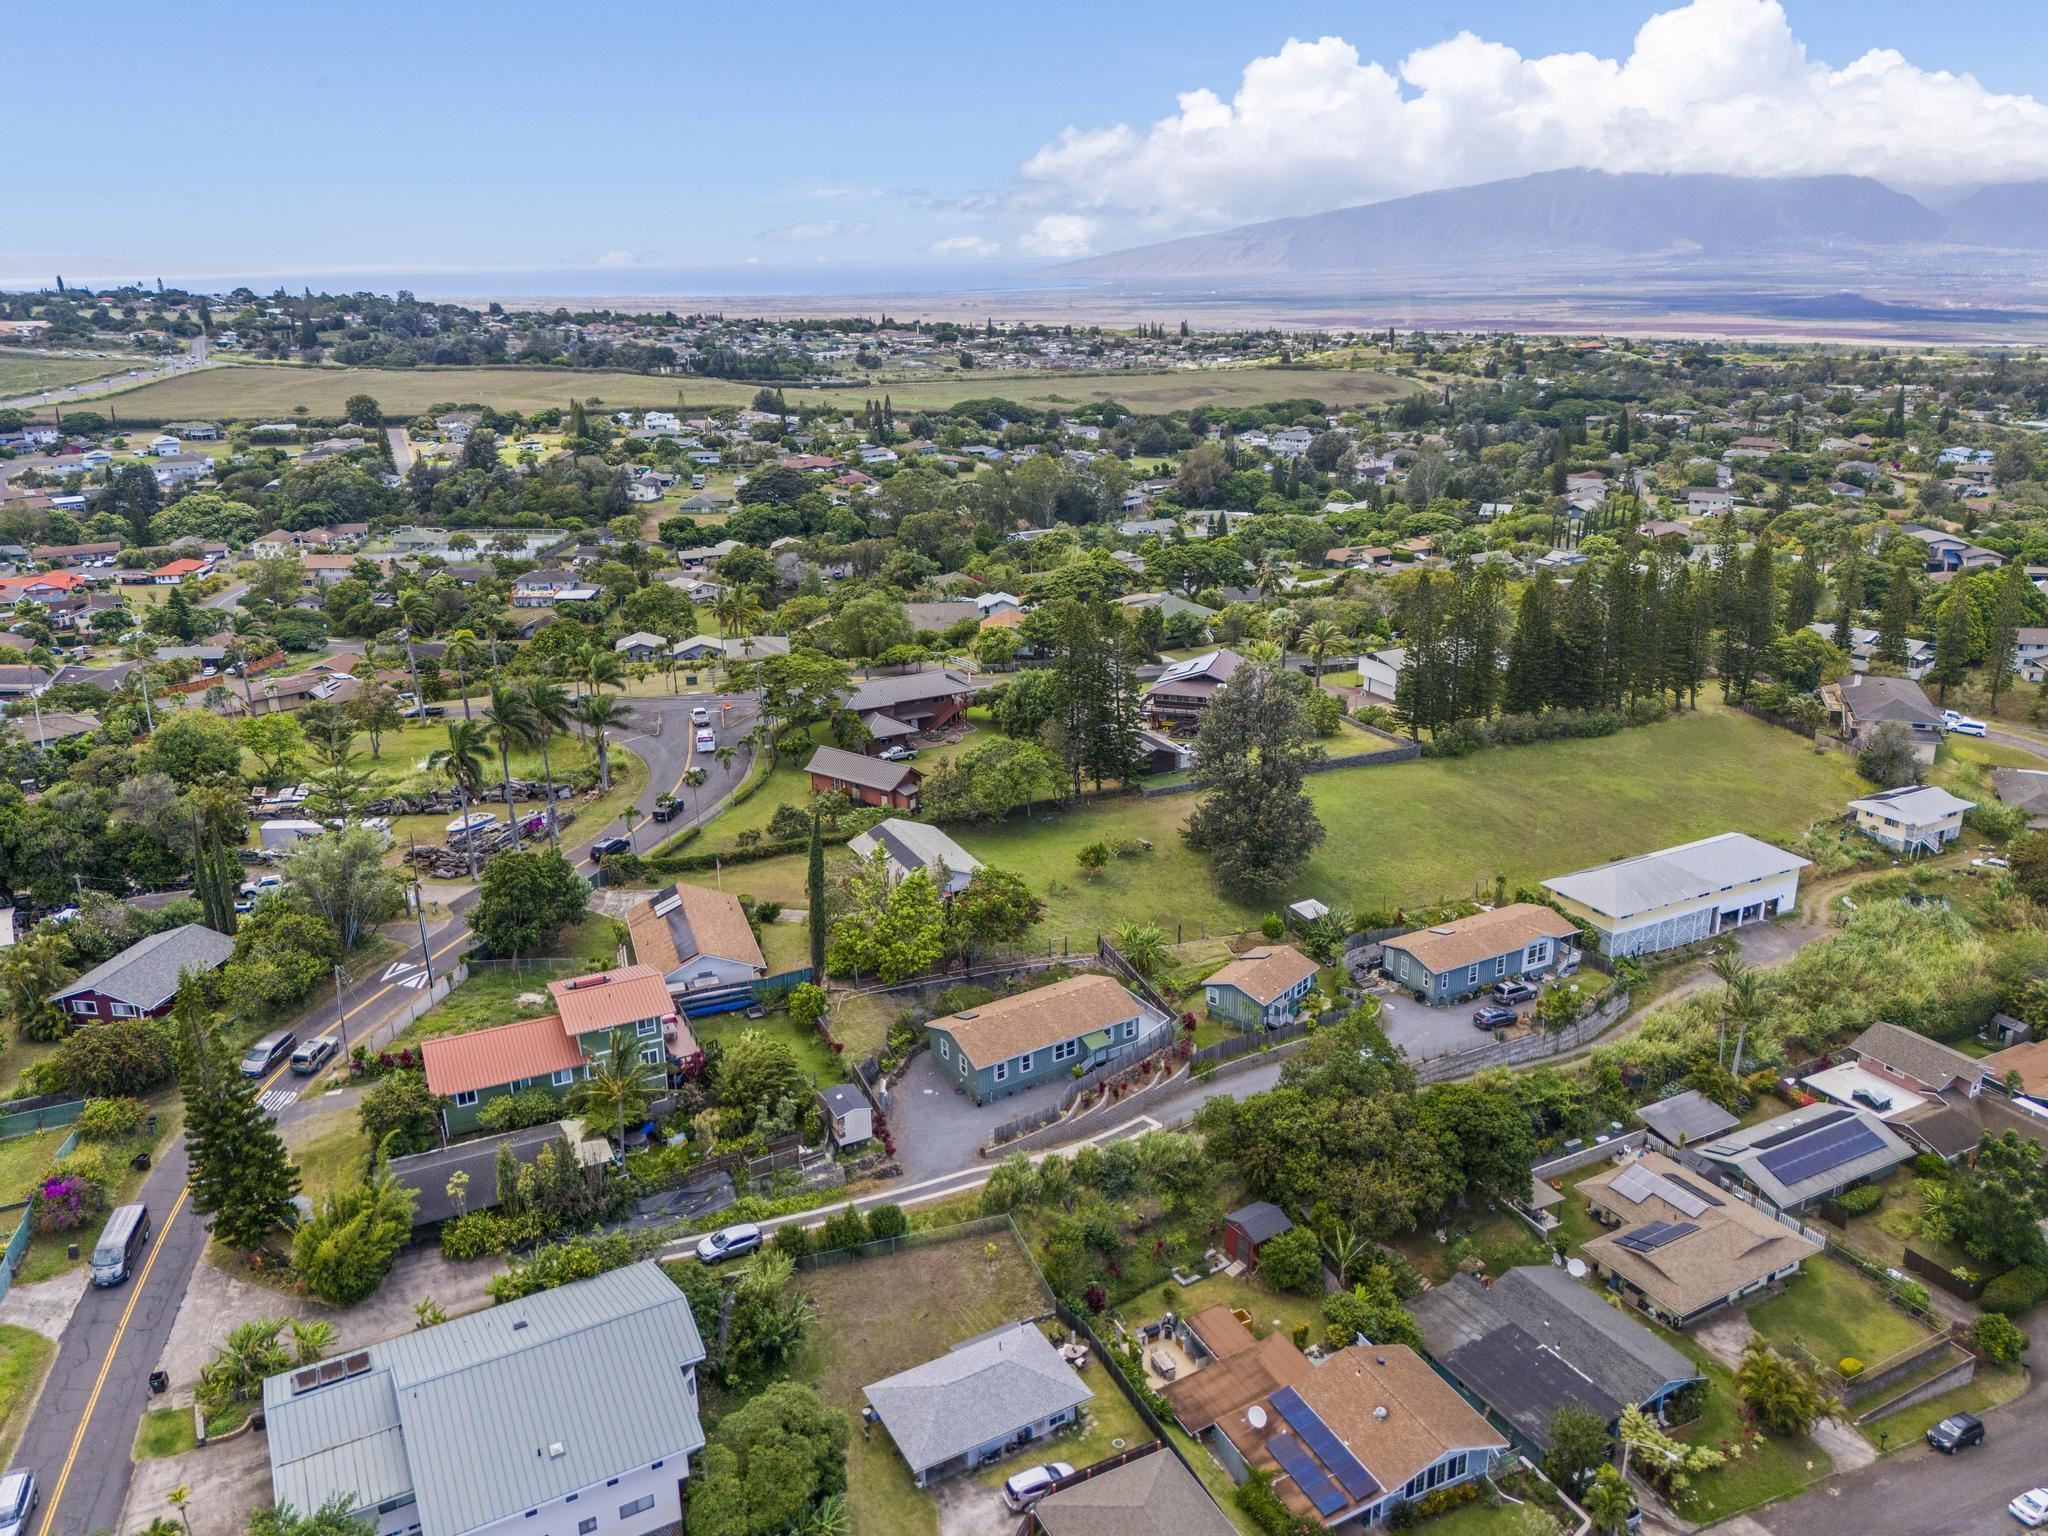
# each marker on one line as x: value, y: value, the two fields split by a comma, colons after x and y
x: 1919, y: 1493
x: 79, y: 1438
x: 195, y: 357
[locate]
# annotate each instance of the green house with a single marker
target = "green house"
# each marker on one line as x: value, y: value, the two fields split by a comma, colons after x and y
x: 1261, y: 988
x: 1042, y: 1036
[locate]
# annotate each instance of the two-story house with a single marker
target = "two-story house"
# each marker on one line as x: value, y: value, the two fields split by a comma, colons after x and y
x: 1915, y: 818
x: 1042, y: 1035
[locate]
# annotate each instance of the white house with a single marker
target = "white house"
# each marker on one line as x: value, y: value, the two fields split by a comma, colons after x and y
x: 1918, y: 818
x: 1681, y: 895
x: 2030, y: 655
x: 165, y: 446
x: 914, y: 845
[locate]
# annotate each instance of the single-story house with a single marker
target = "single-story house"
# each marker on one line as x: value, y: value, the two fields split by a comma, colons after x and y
x: 1863, y: 648
x: 1915, y: 818
x: 1798, y: 1159
x: 867, y: 780
x: 1681, y: 895
x: 54, y: 725
x: 1153, y: 1495
x: 1678, y: 1248
x: 1685, y: 1119
x: 1352, y: 1438
x: 1260, y: 988
x: 849, y: 1118
x: 1456, y: 959
x: 1535, y: 1340
x: 1858, y: 704
x: 909, y: 846
x: 1234, y: 1367
x: 590, y: 1391
x: 1925, y: 1065
x: 2023, y: 1070
x: 977, y: 1401
x: 640, y: 645
x: 1017, y: 1042
x: 2024, y: 789
x: 701, y: 943
x: 1250, y: 1227
x: 142, y: 981
x: 1180, y: 693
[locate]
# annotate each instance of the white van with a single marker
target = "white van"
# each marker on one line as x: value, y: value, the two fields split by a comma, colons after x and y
x: 1026, y: 1488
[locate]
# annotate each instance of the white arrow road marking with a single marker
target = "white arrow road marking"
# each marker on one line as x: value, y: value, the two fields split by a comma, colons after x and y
x: 414, y: 982
x: 398, y: 968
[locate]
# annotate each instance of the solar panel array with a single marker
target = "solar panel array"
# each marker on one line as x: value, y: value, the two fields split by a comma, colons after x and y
x: 1825, y: 1149
x: 1653, y: 1235
x: 1637, y: 1183
x: 1804, y: 1128
x: 1332, y: 1452
x: 1693, y: 1189
x: 1327, y: 1497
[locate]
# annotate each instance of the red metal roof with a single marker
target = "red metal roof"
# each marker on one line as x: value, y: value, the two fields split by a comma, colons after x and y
x: 611, y: 999
x: 490, y: 1058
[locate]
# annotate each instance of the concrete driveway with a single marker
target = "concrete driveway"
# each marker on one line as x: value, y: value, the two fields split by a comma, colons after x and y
x: 1424, y: 1032
x: 968, y: 1507
x: 939, y: 1129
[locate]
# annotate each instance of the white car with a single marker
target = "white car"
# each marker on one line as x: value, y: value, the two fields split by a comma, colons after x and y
x: 729, y: 1243
x: 1032, y: 1484
x: 2030, y: 1508
x: 700, y: 716
x: 1960, y: 724
x: 706, y: 741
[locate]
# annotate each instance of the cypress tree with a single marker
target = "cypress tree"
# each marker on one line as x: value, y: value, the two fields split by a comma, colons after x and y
x: 240, y: 1175
x: 1954, y: 634
x: 815, y: 895
x: 1848, y: 596
x: 1894, y: 618
x: 2003, y: 650
x: 1531, y: 682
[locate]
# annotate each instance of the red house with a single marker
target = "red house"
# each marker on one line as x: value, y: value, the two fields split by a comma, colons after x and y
x: 142, y: 980
x: 868, y: 780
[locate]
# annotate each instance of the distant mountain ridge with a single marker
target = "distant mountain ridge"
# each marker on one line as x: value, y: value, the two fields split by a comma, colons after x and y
x: 1593, y: 215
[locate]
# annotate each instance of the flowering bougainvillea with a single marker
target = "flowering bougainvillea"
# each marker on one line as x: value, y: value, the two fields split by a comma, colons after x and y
x: 65, y: 1204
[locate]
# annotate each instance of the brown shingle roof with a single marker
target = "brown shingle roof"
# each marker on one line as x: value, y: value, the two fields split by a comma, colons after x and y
x: 489, y: 1058
x: 2029, y: 1059
x: 1226, y: 1385
x: 1470, y: 940
x: 1152, y: 1496
x: 1264, y: 974
x: 706, y: 922
x: 1033, y: 1020
x: 852, y: 768
x: 1915, y: 1056
x: 607, y: 1000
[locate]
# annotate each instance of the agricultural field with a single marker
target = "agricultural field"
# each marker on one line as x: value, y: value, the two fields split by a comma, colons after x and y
x: 23, y: 373
x: 246, y: 391
x: 879, y: 1316
x: 1410, y: 834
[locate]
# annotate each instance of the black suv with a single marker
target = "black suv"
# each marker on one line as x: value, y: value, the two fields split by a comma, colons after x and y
x: 1956, y: 1432
x: 1494, y: 1016
x: 606, y: 846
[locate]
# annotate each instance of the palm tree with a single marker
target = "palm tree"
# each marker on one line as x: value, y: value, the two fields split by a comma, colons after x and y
x: 417, y: 609
x: 1343, y: 1249
x: 601, y: 714
x: 465, y: 655
x: 693, y: 778
x: 725, y: 755
x: 511, y: 724
x: 549, y: 707
x: 1319, y: 639
x: 738, y: 612
x: 1742, y: 1001
x: 463, y: 761
x: 1143, y: 945
x: 1281, y: 626
x: 619, y: 1082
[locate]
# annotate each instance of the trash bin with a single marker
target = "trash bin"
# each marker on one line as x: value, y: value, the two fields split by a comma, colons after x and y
x: 159, y: 1381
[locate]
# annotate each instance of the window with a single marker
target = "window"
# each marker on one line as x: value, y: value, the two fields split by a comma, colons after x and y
x: 945, y: 1051
x: 84, y: 1005
x: 1500, y: 965
x: 1131, y: 1029
x: 1471, y: 975
x: 126, y: 1011
x: 586, y: 1526
x: 639, y: 1506
x: 563, y: 1078
x: 1066, y: 1050
x: 1002, y: 1071
x: 1538, y: 952
x: 466, y: 1098
x: 647, y: 1029
x: 1024, y: 1065
x: 519, y: 1083
x: 651, y: 1056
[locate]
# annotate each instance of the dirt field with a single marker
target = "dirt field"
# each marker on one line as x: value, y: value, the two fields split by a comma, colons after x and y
x: 251, y: 391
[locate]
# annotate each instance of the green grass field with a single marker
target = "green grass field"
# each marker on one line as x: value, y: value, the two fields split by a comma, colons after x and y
x: 22, y: 373
x: 492, y: 992
x: 1411, y: 834
x: 1832, y: 1311
x: 25, y: 1357
x: 248, y: 391
x: 23, y: 1161
x: 332, y: 1151
x: 880, y: 1316
x: 164, y: 1432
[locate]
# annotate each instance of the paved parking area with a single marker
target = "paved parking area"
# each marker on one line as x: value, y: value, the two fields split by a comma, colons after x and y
x: 968, y: 1507
x: 1424, y: 1032
x: 938, y: 1128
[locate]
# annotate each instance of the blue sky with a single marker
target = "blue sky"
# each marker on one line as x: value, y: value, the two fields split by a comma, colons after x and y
x: 251, y: 138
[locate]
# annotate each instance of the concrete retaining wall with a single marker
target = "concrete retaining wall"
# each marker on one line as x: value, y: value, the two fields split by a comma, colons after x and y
x: 1959, y: 1374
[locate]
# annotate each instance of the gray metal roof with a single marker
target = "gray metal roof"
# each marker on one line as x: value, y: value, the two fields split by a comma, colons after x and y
x: 1537, y: 1340
x: 427, y: 1174
x: 500, y: 1411
x: 885, y: 693
x: 1916, y: 805
x: 1685, y: 873
x: 1743, y: 1152
x: 146, y: 972
x: 1686, y: 1118
x: 977, y: 1392
x: 1261, y: 1220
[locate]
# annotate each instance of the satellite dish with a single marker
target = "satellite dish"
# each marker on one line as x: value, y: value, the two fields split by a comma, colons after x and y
x: 1576, y: 1268
x: 1255, y: 1416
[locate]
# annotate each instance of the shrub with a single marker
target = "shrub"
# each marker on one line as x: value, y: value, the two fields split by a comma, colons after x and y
x: 1862, y: 1200
x: 1272, y: 926
x: 1998, y: 1339
x: 478, y: 1234
x: 517, y: 1111
x: 793, y: 1240
x: 110, y: 1119
x: 66, y: 1203
x: 1293, y: 1261
x: 887, y: 1221
x: 1851, y: 1367
x: 1930, y: 1165
x: 842, y: 1229
x: 2015, y: 1291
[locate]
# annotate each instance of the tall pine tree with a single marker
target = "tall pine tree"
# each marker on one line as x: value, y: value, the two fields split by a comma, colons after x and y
x: 239, y: 1174
x: 1895, y: 617
x: 2002, y: 649
x: 1531, y: 682
x: 817, y: 918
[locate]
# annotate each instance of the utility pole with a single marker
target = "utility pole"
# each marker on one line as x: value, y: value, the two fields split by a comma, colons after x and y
x: 419, y: 906
x: 340, y: 1017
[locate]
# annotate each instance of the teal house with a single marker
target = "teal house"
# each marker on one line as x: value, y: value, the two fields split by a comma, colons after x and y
x: 1517, y: 942
x: 1261, y: 988
x: 1041, y: 1036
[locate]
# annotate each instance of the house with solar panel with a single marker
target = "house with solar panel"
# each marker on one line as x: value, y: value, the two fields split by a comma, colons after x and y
x: 1536, y: 1340
x: 1678, y: 896
x: 574, y: 1410
x: 1679, y: 1247
x: 1349, y: 1438
x: 1800, y: 1159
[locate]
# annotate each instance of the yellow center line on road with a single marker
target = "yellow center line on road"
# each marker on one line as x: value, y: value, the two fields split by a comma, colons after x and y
x: 106, y: 1365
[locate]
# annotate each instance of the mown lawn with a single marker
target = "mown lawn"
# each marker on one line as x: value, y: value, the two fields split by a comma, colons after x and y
x: 48, y: 1252
x: 1767, y: 1469
x: 332, y: 1151
x: 1835, y: 1312
x: 24, y: 1356
x: 492, y: 992
x: 24, y: 1159
x: 879, y: 1316
x: 1410, y: 834
x: 1272, y: 1311
x: 1992, y: 1385
x: 164, y: 1432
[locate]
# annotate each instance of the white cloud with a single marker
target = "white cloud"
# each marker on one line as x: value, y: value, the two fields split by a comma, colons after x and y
x: 1714, y: 85
x: 1061, y: 235
x: 966, y: 245
x: 817, y: 229
x: 618, y: 259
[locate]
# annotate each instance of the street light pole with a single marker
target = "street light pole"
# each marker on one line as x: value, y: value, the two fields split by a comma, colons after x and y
x: 340, y: 1017
x: 419, y: 907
